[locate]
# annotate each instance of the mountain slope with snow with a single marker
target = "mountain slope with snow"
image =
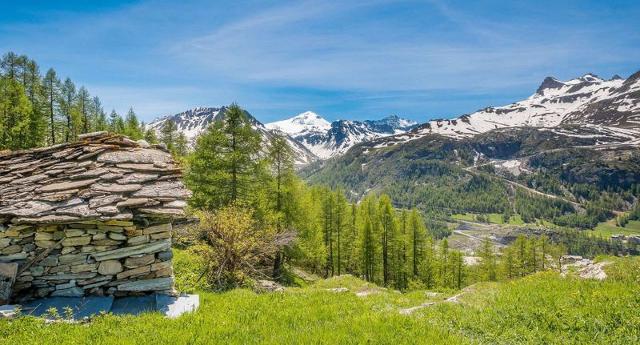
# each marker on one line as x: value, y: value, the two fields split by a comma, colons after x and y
x: 585, y: 106
x: 195, y: 121
x: 328, y: 140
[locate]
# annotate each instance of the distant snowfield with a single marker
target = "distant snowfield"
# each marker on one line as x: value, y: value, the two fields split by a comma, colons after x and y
x: 555, y: 103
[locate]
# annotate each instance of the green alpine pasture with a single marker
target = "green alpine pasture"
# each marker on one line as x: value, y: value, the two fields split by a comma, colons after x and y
x: 543, y: 308
x: 608, y: 228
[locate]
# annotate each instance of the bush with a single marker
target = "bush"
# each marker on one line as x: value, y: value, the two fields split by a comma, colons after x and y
x: 238, y: 248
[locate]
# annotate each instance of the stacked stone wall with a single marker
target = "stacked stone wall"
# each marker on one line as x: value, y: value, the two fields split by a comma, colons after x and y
x: 88, y: 258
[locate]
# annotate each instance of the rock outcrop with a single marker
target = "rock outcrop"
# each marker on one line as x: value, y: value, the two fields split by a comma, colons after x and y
x: 90, y: 217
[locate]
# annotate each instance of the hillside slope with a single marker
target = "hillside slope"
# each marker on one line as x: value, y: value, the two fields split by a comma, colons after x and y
x: 542, y: 308
x: 610, y: 106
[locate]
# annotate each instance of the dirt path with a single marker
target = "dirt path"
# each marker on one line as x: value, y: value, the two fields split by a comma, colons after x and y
x: 452, y: 299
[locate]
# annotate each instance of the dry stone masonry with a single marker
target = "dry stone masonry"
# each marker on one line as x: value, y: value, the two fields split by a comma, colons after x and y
x: 88, y: 218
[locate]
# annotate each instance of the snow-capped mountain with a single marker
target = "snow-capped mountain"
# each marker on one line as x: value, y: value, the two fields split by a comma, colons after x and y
x: 610, y: 108
x: 327, y: 139
x: 194, y: 121
x: 307, y: 123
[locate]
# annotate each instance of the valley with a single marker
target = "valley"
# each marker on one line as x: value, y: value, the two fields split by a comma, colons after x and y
x: 368, y: 172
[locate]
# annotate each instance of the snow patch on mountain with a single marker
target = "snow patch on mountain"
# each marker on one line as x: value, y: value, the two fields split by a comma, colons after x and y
x: 302, y: 124
x: 586, y: 100
x: 195, y: 121
x: 328, y: 140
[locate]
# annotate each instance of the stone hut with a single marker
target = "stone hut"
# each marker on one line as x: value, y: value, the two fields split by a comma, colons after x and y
x: 93, y: 217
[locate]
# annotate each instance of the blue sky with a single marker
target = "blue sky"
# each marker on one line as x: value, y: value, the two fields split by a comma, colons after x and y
x: 341, y: 59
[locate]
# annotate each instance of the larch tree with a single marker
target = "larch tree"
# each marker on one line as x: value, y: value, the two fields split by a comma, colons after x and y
x: 150, y: 136
x: 387, y: 221
x: 116, y: 123
x: 99, y: 116
x: 132, y: 127
x: 181, y: 145
x: 51, y: 84
x: 280, y: 157
x: 67, y: 108
x: 168, y: 134
x: 83, y: 107
x: 488, y: 268
x: 224, y: 167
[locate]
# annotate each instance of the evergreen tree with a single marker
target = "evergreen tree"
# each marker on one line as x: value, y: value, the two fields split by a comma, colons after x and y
x: 488, y: 268
x: 387, y: 220
x: 83, y: 107
x: 280, y: 158
x: 150, y: 136
x: 15, y: 111
x: 418, y: 234
x: 132, y: 127
x: 98, y: 114
x: 168, y: 134
x: 225, y: 167
x: 181, y: 145
x: 116, y: 123
x: 444, y: 264
x: 51, y: 84
x: 67, y: 107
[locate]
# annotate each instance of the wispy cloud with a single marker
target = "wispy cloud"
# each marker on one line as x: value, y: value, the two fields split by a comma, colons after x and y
x: 341, y: 58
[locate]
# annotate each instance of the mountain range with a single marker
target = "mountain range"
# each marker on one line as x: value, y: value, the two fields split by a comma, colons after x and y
x: 328, y: 140
x: 311, y: 137
x: 588, y: 106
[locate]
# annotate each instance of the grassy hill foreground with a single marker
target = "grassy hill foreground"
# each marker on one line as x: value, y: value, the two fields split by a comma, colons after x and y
x: 541, y: 308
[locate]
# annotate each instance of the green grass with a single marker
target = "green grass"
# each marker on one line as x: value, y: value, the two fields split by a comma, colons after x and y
x: 608, y: 228
x: 542, y: 308
x: 493, y: 218
x: 469, y: 217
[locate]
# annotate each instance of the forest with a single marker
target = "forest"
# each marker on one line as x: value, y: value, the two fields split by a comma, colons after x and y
x: 393, y: 237
x: 43, y: 109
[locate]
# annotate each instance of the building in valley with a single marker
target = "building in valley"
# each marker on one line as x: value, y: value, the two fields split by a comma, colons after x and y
x: 93, y: 217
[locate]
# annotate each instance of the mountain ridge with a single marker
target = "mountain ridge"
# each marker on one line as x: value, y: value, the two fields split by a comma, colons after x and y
x: 329, y: 139
x: 609, y: 109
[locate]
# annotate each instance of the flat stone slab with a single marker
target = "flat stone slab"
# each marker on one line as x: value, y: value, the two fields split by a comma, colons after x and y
x: 82, y: 306
x: 134, y: 305
x: 88, y: 306
x: 173, y: 307
x: 8, y: 311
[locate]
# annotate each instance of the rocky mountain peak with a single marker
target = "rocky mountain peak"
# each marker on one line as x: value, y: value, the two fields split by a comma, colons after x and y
x: 549, y: 83
x: 616, y: 77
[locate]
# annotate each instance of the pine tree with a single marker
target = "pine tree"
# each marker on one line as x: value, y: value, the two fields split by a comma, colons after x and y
x: 181, y: 145
x: 280, y: 158
x: 51, y: 84
x: 84, y: 122
x: 116, y: 123
x: 150, y: 136
x: 224, y: 167
x: 418, y: 234
x: 428, y: 264
x: 444, y: 264
x: 15, y: 111
x: 368, y: 251
x: 132, y: 127
x: 101, y: 123
x: 67, y: 108
x: 488, y: 264
x: 387, y: 220
x: 340, y: 221
x: 33, y: 88
x: 168, y: 134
